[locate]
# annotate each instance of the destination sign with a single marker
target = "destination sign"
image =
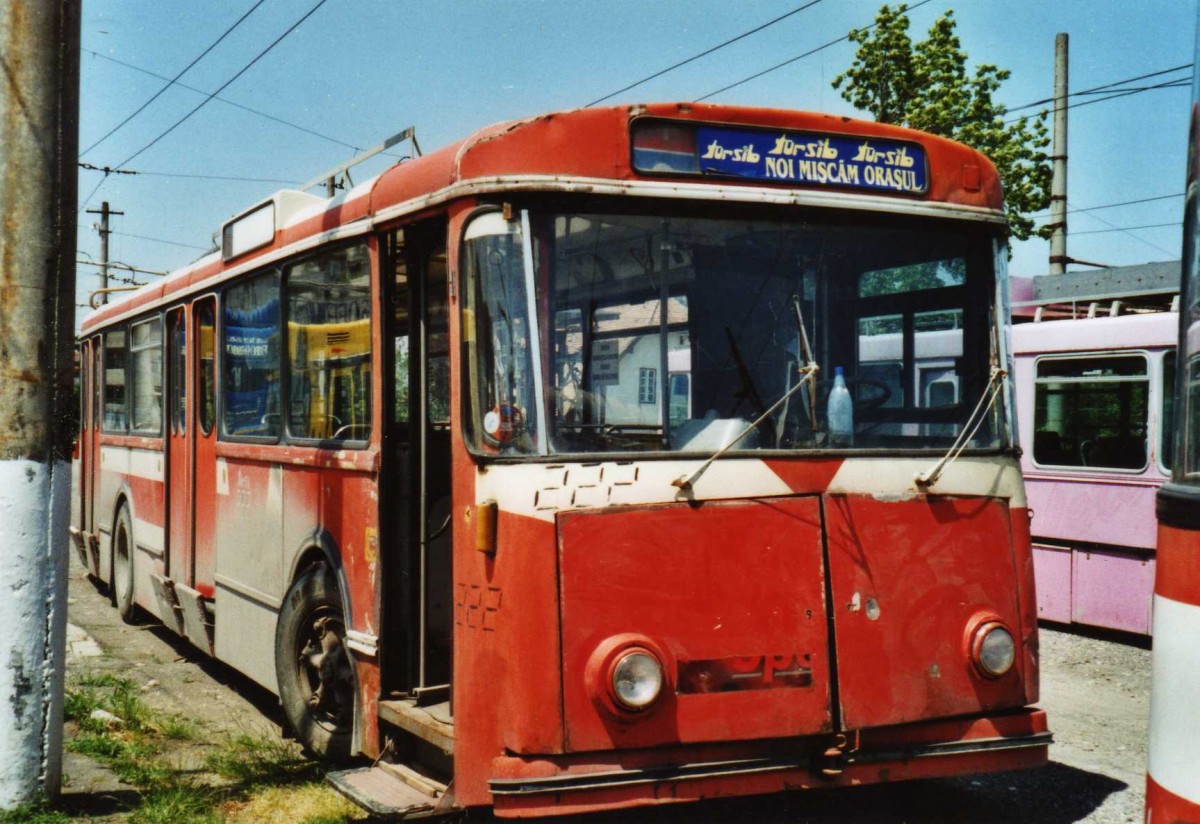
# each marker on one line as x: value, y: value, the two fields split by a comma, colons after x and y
x: 838, y: 161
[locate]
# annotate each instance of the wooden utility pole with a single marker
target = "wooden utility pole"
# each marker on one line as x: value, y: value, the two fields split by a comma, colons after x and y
x: 39, y: 146
x: 104, y: 231
x: 1058, y: 185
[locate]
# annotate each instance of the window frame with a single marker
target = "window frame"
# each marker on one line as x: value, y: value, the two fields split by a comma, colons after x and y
x: 1148, y: 378
x: 103, y: 382
x: 285, y: 267
x: 220, y: 371
x: 1166, y: 394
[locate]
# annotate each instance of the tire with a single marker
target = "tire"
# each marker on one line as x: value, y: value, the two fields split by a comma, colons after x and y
x: 123, y: 552
x: 314, y: 671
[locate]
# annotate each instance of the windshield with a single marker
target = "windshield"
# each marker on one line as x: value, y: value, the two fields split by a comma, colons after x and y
x: 676, y: 332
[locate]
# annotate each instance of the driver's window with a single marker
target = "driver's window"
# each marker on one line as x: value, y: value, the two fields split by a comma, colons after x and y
x: 496, y: 318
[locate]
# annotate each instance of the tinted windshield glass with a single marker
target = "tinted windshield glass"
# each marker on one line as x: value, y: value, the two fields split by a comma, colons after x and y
x: 674, y: 333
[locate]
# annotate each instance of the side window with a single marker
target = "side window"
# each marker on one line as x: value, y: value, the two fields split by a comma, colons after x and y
x: 1166, y: 419
x: 97, y: 383
x: 250, y: 358
x: 177, y: 372
x: 329, y: 346
x: 114, y: 381
x: 1091, y: 411
x: 147, y: 377
x: 207, y: 395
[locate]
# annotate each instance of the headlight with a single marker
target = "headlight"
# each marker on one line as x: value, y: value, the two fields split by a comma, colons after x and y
x: 637, y: 679
x: 993, y: 650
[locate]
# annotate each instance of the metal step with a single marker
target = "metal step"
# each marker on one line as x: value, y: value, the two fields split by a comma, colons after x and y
x: 392, y: 790
x: 433, y: 724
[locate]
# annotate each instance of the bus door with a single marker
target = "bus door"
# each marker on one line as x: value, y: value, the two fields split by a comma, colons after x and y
x: 416, y: 519
x: 89, y: 448
x: 204, y: 447
x: 179, y: 464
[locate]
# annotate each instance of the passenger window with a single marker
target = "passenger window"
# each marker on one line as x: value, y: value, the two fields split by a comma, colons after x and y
x: 147, y: 377
x: 329, y: 346
x: 205, y: 334
x: 250, y: 335
x: 1166, y: 438
x: 114, y: 381
x: 177, y: 373
x: 1091, y: 412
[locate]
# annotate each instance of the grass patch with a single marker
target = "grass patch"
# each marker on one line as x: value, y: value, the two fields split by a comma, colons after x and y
x: 36, y: 812
x: 251, y: 761
x: 248, y: 779
x: 183, y: 803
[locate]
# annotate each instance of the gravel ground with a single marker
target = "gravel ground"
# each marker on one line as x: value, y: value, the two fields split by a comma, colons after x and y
x: 1096, y: 691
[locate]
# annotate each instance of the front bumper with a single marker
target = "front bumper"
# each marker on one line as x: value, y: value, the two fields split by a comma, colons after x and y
x: 562, y: 785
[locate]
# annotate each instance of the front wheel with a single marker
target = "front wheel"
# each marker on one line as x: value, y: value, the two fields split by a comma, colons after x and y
x: 316, y: 680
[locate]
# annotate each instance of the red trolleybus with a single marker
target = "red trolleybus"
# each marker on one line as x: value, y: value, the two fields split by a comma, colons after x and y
x: 1173, y: 783
x: 570, y: 528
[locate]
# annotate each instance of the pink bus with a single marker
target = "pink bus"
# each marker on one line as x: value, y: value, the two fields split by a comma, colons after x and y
x: 1094, y: 413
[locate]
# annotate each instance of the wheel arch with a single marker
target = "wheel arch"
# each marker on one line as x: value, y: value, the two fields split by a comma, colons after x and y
x: 319, y: 547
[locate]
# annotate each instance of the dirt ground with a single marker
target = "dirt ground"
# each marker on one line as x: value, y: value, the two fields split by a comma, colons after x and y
x: 1096, y: 691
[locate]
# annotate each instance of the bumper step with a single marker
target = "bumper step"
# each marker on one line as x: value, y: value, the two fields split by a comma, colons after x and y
x: 393, y: 791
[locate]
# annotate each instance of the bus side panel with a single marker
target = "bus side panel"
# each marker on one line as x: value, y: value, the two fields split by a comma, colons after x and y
x: 507, y: 684
x: 249, y: 573
x: 910, y: 579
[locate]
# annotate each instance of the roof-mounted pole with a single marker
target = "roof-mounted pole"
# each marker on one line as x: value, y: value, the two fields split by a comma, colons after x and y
x: 329, y: 178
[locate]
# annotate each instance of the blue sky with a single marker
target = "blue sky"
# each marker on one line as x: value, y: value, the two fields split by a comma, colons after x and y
x: 357, y: 71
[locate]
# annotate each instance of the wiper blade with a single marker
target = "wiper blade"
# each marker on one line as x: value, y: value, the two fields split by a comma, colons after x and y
x: 685, y: 482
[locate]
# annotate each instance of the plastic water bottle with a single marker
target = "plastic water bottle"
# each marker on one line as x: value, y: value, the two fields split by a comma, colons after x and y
x: 840, y: 414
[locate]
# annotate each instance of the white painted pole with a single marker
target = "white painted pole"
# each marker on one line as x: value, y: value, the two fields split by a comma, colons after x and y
x: 39, y: 114
x: 1058, y: 185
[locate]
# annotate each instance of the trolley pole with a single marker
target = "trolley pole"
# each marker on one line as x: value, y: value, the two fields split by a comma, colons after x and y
x: 104, y: 231
x: 1058, y: 185
x: 39, y: 145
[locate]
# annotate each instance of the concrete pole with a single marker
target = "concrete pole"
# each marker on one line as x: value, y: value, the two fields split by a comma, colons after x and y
x: 1058, y: 186
x: 104, y: 231
x: 39, y: 147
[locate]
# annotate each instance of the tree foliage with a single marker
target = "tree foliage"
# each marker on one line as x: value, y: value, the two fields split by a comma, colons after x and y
x: 926, y: 86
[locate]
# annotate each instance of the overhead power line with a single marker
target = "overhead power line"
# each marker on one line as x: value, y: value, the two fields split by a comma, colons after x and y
x: 704, y: 53
x: 789, y: 61
x: 1128, y: 228
x: 161, y: 240
x: 227, y: 83
x: 1115, y: 205
x: 1105, y: 87
x: 125, y: 267
x: 108, y: 171
x: 227, y: 101
x: 172, y: 81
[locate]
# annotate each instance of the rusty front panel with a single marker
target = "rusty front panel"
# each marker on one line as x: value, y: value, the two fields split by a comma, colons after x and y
x: 732, y: 593
x: 908, y: 578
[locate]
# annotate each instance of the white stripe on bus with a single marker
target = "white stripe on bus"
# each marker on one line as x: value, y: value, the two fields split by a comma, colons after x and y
x: 1174, y: 719
x: 139, y: 463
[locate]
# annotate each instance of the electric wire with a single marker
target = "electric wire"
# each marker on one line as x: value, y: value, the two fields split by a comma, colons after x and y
x: 161, y: 240
x: 704, y: 53
x: 173, y: 80
x: 226, y: 84
x: 228, y: 102
x: 809, y: 53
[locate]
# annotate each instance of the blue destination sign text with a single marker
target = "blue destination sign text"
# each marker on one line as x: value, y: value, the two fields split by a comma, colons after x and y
x: 819, y: 160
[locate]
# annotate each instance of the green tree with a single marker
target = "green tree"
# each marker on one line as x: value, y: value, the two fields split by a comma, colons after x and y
x: 926, y: 86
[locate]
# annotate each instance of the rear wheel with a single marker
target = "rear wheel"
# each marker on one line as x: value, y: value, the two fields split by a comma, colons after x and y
x: 122, y: 565
x: 316, y: 680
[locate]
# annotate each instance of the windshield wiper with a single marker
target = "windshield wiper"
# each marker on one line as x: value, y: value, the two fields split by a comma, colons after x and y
x: 805, y: 373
